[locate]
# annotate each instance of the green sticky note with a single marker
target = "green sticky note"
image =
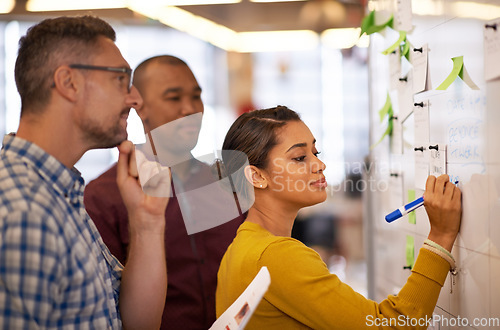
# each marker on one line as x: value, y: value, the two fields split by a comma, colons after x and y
x: 405, y: 49
x: 457, y: 71
x: 410, y: 251
x: 368, y: 24
x: 458, y: 63
x: 466, y: 78
x: 388, y: 131
x: 385, y: 111
x: 412, y: 217
x: 386, y: 108
x: 402, y: 37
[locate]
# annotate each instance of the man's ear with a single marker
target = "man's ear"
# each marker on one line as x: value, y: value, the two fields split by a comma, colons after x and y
x: 68, y: 83
x: 255, y: 176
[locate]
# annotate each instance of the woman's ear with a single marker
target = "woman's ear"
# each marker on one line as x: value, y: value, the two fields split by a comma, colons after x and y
x: 255, y: 176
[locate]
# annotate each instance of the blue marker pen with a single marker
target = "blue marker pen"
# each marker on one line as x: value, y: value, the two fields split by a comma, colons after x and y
x: 403, y: 210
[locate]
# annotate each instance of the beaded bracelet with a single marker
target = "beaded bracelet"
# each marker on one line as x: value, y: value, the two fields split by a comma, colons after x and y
x: 446, y: 255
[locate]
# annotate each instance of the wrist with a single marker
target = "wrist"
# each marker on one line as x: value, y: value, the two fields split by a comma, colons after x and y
x: 145, y: 224
x: 444, y: 240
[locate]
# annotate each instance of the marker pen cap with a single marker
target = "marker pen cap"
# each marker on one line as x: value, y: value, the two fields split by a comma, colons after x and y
x: 393, y: 216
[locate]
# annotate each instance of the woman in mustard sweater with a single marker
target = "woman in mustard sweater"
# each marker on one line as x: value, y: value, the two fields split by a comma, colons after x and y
x: 286, y: 176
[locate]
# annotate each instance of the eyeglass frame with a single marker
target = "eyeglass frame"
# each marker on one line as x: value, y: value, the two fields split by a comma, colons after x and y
x: 126, y: 70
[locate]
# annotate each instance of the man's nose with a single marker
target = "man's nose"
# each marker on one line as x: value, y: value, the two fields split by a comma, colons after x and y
x: 134, y: 98
x: 190, y: 106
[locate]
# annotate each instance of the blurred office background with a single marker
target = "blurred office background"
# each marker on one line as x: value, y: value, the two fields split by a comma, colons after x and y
x: 246, y: 55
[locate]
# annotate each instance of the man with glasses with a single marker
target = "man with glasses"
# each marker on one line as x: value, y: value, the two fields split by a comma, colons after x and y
x: 127, y: 71
x: 55, y: 271
x: 172, y: 108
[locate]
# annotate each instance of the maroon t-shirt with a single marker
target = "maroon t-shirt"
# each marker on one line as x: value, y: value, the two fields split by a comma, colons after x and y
x: 192, y: 260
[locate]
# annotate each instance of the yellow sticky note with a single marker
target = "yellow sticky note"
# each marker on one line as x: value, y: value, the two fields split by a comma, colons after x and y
x: 412, y: 218
x: 410, y: 251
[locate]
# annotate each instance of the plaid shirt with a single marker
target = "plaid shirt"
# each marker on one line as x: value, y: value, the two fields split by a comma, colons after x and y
x: 55, y: 271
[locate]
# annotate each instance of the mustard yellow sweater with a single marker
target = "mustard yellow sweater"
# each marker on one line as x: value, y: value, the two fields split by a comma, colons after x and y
x: 304, y: 294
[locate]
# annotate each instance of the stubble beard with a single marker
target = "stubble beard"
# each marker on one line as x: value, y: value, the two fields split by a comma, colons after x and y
x: 101, y: 138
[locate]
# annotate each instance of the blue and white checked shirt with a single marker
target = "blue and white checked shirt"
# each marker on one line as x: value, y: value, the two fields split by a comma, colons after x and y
x: 55, y: 271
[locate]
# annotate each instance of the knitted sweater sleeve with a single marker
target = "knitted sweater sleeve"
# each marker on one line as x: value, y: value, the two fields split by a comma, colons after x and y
x: 303, y: 288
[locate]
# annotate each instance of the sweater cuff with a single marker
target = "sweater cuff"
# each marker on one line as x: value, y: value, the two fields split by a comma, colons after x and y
x: 432, y: 266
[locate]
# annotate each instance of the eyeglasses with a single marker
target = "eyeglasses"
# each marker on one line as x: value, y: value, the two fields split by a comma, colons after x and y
x: 128, y: 71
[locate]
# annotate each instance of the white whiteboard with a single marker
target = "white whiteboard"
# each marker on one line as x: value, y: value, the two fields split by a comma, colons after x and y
x: 467, y: 121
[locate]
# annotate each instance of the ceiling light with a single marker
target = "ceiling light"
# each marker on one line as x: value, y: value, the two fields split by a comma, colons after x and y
x: 475, y: 10
x: 464, y: 9
x: 274, y: 41
x: 427, y: 7
x: 344, y: 38
x: 56, y: 5
x: 221, y: 36
x: 363, y: 41
x: 183, y: 20
x: 276, y: 0
x: 194, y: 2
x: 6, y: 6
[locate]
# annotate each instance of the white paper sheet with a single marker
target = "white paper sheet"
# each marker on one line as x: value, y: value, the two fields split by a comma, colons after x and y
x: 394, y: 69
x: 421, y: 122
x: 240, y: 312
x: 404, y: 15
x: 405, y: 99
x: 397, y: 136
x: 421, y: 166
x: 492, y: 49
x: 418, y: 59
x: 396, y: 189
x: 437, y: 162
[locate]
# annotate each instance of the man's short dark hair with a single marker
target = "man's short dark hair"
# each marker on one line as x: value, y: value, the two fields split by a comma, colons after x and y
x: 50, y: 44
x: 139, y: 72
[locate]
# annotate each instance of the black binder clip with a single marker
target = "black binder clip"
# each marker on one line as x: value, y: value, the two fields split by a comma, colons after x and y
x: 419, y: 149
x: 404, y: 79
x: 436, y: 147
x: 421, y: 104
x: 418, y: 49
x: 491, y: 26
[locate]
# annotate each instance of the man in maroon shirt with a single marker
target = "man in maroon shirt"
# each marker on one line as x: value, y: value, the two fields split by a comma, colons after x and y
x: 170, y: 92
